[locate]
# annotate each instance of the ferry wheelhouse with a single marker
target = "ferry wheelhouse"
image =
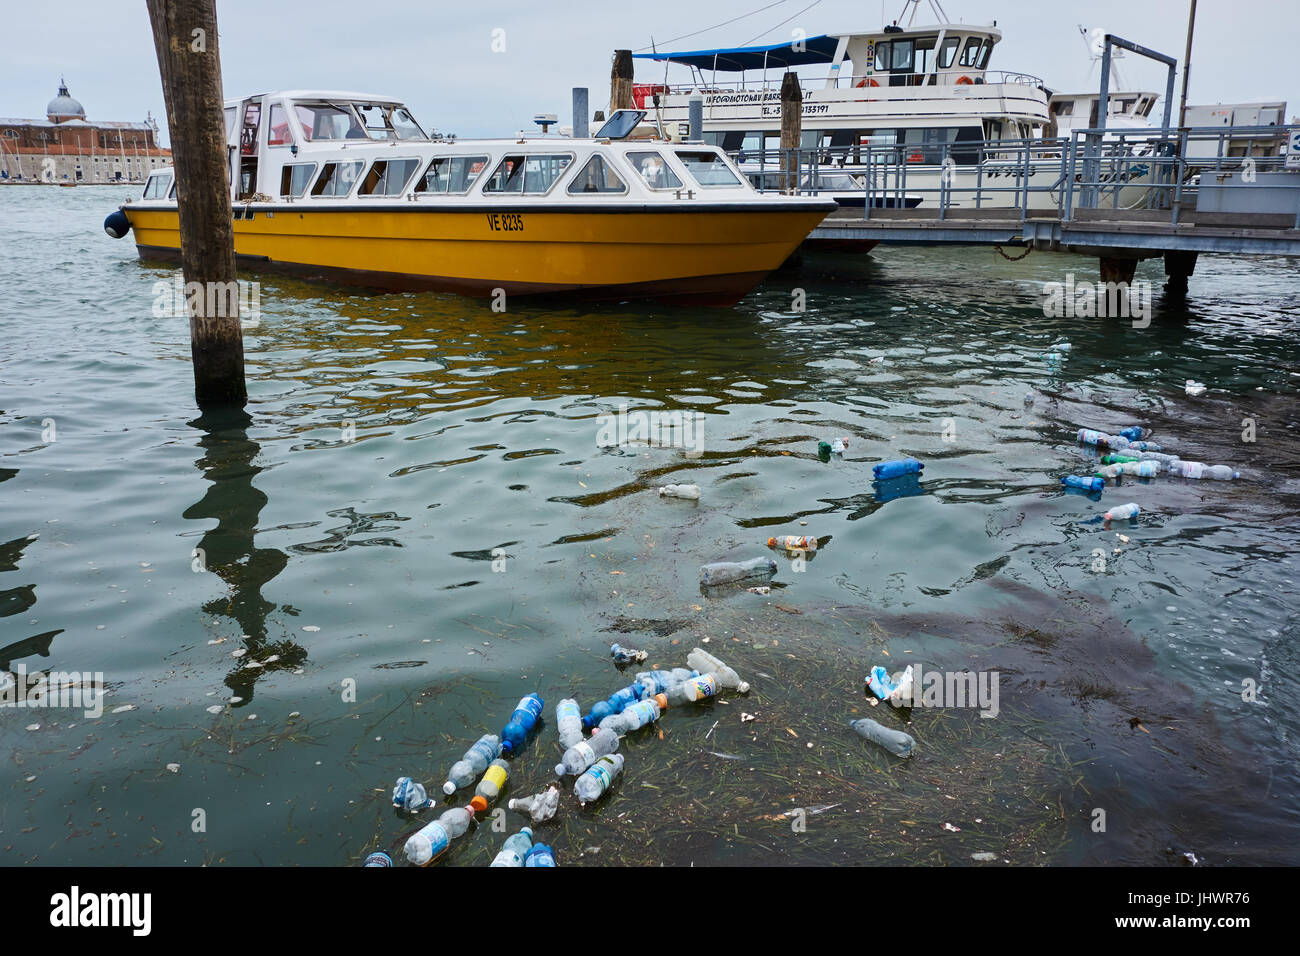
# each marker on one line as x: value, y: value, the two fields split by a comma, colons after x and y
x: 349, y: 186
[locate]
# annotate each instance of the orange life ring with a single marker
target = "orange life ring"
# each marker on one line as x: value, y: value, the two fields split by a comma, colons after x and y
x: 964, y: 79
x: 867, y: 81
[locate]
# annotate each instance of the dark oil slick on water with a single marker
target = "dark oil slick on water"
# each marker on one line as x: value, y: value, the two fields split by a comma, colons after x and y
x: 370, y: 563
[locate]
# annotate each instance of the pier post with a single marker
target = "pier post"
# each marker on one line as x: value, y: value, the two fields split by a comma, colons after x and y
x: 185, y: 38
x: 791, y: 128
x: 1178, y: 269
x: 695, y: 118
x: 581, y: 117
x: 1114, y: 269
x: 620, y: 82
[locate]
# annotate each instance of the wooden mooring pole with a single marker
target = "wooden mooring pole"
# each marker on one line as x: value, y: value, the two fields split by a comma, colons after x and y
x: 791, y: 128
x: 185, y: 37
x: 620, y: 82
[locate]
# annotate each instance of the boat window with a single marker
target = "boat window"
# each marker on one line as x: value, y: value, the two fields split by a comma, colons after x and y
x: 653, y: 171
x: 295, y: 178
x: 533, y: 174
x: 451, y: 174
x: 337, y: 179
x: 389, y: 122
x: 279, y: 133
x: 1063, y: 108
x: 325, y: 121
x: 157, y: 186
x: 230, y: 121
x: 970, y: 55
x: 881, y: 61
x: 984, y: 53
x: 707, y: 168
x: 948, y: 51
x: 388, y: 177
x: 901, y: 61
x: 597, y: 176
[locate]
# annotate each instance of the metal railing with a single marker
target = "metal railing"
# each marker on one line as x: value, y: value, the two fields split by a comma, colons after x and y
x: 881, y: 79
x: 1147, y: 169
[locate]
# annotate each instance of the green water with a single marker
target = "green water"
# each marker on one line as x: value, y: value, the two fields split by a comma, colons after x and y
x: 465, y: 540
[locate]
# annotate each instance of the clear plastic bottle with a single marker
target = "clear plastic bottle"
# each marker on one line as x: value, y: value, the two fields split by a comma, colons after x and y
x: 632, y: 717
x: 839, y: 446
x: 1149, y: 455
x: 432, y: 841
x: 1121, y: 512
x: 410, y: 796
x: 1118, y: 458
x: 656, y: 682
x: 613, y: 704
x: 515, y: 849
x: 581, y: 756
x: 540, y: 855
x: 522, y: 720
x: 540, y: 806
x: 568, y: 722
x: 895, y: 741
x: 1109, y: 472
x: 706, y: 663
x: 1140, y: 446
x: 489, y: 788
x: 1197, y: 469
x: 1140, y: 469
x: 680, y: 491
x: 724, y: 572
x: 598, y: 778
x: 465, y: 770
x: 626, y: 655
x: 793, y: 542
x: 696, y: 688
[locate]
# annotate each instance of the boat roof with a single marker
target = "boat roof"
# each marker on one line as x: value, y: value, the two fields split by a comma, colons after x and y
x: 818, y: 49
x: 319, y: 95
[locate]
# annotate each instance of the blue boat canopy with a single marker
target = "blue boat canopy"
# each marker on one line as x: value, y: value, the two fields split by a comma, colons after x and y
x: 819, y: 49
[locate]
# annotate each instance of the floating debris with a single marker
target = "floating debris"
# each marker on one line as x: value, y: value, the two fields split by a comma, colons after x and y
x: 984, y: 857
x: 123, y: 708
x: 216, y: 708
x: 174, y: 767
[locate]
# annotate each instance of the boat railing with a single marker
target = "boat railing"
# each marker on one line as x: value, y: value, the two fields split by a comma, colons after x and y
x: 771, y: 83
x: 1150, y: 169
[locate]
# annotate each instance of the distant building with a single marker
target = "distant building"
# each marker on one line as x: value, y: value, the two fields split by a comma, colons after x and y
x: 65, y: 148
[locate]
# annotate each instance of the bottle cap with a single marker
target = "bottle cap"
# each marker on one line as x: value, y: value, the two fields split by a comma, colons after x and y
x: 507, y: 746
x: 743, y: 687
x: 771, y: 542
x: 559, y: 770
x: 478, y: 804
x: 662, y: 701
x: 449, y: 788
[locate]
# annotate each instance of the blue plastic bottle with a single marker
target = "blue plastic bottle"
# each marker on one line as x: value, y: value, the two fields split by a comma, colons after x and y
x: 613, y: 704
x: 540, y: 855
x: 657, y: 682
x: 521, y: 721
x: 1087, y: 484
x: 1133, y: 433
x: 900, y: 466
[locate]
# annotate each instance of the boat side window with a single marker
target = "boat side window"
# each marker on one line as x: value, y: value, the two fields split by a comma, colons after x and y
x: 451, y: 174
x: 881, y: 61
x: 597, y: 176
x: 652, y: 169
x: 389, y: 122
x: 295, y: 178
x: 326, y: 121
x: 1063, y: 108
x: 388, y: 177
x: 985, y: 50
x: 707, y: 167
x: 970, y: 55
x: 948, y: 51
x: 279, y: 134
x: 337, y: 179
x: 157, y: 186
x: 230, y: 121
x: 533, y: 174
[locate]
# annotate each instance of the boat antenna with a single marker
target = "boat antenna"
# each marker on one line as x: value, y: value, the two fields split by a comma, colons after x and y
x: 695, y: 33
x: 936, y: 7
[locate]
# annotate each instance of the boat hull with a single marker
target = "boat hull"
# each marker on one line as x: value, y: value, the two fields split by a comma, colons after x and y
x: 694, y: 253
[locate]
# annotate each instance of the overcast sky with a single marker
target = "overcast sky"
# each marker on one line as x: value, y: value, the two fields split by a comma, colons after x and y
x: 438, y: 57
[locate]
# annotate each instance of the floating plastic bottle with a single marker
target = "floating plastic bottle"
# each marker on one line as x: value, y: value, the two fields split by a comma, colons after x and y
x: 1141, y: 446
x: 824, y: 450
x: 598, y: 778
x: 466, y: 770
x: 1029, y: 399
x: 613, y: 704
x: 378, y: 858
x: 540, y: 806
x: 1121, y: 512
x: 724, y: 572
x: 540, y: 855
x: 899, y: 466
x: 793, y: 542
x: 1109, y: 472
x: 568, y: 722
x: 1196, y: 469
x: 706, y: 663
x: 515, y: 849
x: 895, y: 741
x: 410, y: 796
x: 489, y: 788
x: 1118, y: 458
x: 1132, y: 433
x: 1089, y: 436
x: 696, y: 688
x: 582, y: 755
x: 626, y: 655
x: 432, y: 841
x: 657, y: 682
x: 839, y: 445
x: 633, y: 717
x: 680, y: 491
x: 1087, y: 484
x: 1194, y: 388
x: 1140, y: 469
x: 521, y: 721
x: 1166, y: 460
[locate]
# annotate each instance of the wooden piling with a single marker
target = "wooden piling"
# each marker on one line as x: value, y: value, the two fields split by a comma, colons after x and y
x: 620, y: 82
x: 1116, y: 269
x: 791, y: 128
x: 185, y: 38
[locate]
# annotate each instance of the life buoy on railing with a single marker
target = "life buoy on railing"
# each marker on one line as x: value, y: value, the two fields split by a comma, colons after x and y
x: 962, y: 80
x: 866, y: 81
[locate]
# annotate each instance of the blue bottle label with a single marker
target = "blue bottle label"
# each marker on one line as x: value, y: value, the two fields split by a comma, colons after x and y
x: 600, y: 773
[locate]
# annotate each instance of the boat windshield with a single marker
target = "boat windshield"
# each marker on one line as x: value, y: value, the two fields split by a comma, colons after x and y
x: 329, y: 121
x: 389, y: 121
x: 707, y: 167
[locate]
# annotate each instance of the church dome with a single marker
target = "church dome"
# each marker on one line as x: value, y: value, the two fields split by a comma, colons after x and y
x: 64, y: 107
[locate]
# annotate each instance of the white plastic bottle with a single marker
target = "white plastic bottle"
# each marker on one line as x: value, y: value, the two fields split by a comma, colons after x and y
x: 1197, y: 469
x: 724, y: 572
x: 680, y: 491
x: 585, y: 753
x: 409, y: 795
x: 513, y: 851
x: 692, y: 689
x: 632, y: 717
x: 895, y: 741
x: 463, y: 772
x: 540, y: 806
x: 706, y: 663
x: 1121, y: 512
x: 1140, y: 469
x: 598, y: 778
x: 427, y: 845
x: 568, y: 722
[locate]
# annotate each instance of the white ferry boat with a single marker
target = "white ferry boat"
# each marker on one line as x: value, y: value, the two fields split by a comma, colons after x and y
x: 348, y: 186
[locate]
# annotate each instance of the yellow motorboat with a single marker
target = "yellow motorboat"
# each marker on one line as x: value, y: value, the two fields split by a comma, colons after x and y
x: 349, y: 187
